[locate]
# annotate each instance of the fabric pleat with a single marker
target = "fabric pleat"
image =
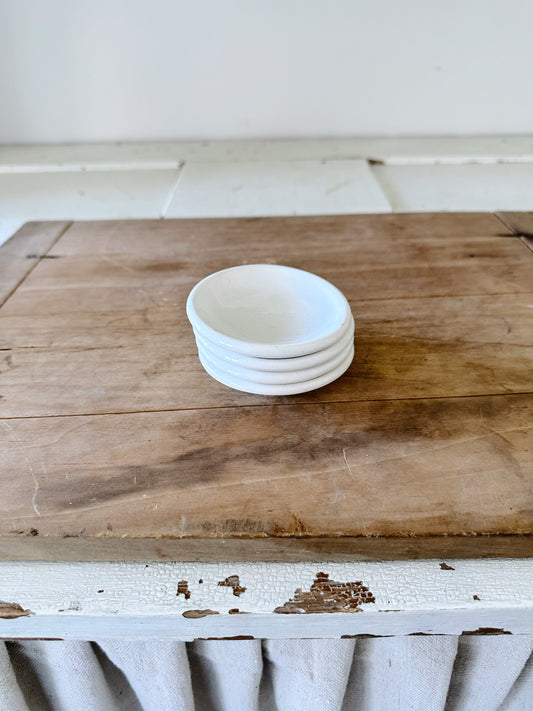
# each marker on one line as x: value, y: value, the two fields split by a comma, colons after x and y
x: 306, y: 674
x: 226, y: 674
x: 410, y: 673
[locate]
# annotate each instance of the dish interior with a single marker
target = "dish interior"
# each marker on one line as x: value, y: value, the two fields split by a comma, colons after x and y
x: 264, y: 303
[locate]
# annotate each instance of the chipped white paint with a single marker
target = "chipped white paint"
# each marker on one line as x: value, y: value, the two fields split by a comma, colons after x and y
x: 86, y: 600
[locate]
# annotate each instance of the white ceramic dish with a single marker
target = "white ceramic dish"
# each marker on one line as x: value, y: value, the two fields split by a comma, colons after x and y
x: 310, y: 360
x: 268, y: 311
x: 289, y: 389
x: 275, y: 378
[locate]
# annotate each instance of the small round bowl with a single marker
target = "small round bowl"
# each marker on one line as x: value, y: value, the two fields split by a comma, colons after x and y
x: 275, y: 378
x: 268, y: 311
x: 248, y: 386
x: 310, y: 360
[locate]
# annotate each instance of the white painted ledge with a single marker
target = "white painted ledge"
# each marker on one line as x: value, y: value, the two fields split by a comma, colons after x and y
x: 276, y: 188
x: 137, y: 600
x: 168, y: 155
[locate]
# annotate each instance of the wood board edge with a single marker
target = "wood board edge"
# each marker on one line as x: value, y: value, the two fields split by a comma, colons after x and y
x: 272, y: 549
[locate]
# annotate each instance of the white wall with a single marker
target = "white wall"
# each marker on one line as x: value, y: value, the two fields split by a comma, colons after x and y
x: 92, y: 70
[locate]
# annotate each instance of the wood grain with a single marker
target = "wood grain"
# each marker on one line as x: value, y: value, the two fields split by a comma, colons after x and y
x: 418, y: 467
x: 520, y: 223
x: 116, y: 443
x: 102, y: 328
x: 20, y: 254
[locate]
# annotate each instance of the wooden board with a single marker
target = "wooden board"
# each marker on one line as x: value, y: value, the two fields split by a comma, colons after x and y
x: 521, y: 223
x: 117, y: 444
x: 24, y: 251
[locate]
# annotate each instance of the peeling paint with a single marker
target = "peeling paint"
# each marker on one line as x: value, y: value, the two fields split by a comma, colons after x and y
x: 236, y: 611
x: 365, y: 636
x: 195, y: 614
x: 235, y: 637
x: 12, y: 610
x: 233, y: 582
x: 327, y: 595
x: 183, y: 589
x: 445, y: 566
x: 487, y: 630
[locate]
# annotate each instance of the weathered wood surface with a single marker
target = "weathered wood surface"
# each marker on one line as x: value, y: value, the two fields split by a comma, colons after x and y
x: 521, y: 223
x: 117, y: 444
x: 24, y: 251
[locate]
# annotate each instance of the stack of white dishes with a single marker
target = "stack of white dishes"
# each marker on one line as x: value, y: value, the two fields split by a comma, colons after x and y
x: 271, y: 330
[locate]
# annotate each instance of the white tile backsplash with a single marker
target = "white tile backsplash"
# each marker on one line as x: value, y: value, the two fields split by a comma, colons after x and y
x: 467, y: 188
x: 9, y: 227
x: 85, y: 195
x: 276, y: 188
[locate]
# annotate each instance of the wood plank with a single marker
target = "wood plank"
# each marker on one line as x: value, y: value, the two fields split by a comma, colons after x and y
x: 106, y: 319
x: 113, y: 433
x: 23, y: 251
x: 29, y: 547
x: 80, y: 362
x: 443, y: 467
x: 521, y: 223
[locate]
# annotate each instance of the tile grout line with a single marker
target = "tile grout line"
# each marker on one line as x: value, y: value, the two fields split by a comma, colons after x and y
x: 387, y: 193
x: 379, y: 184
x: 172, y: 191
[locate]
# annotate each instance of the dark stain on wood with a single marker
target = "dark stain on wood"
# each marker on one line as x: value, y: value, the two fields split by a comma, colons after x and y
x: 233, y: 582
x: 327, y: 595
x: 198, y: 466
x: 291, y: 448
x: 195, y: 614
x: 34, y: 532
x: 183, y: 589
x: 476, y: 597
x: 42, y: 256
x: 12, y: 610
x: 161, y: 554
x: 296, y: 527
x: 203, y: 465
x: 445, y: 566
x: 486, y: 630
